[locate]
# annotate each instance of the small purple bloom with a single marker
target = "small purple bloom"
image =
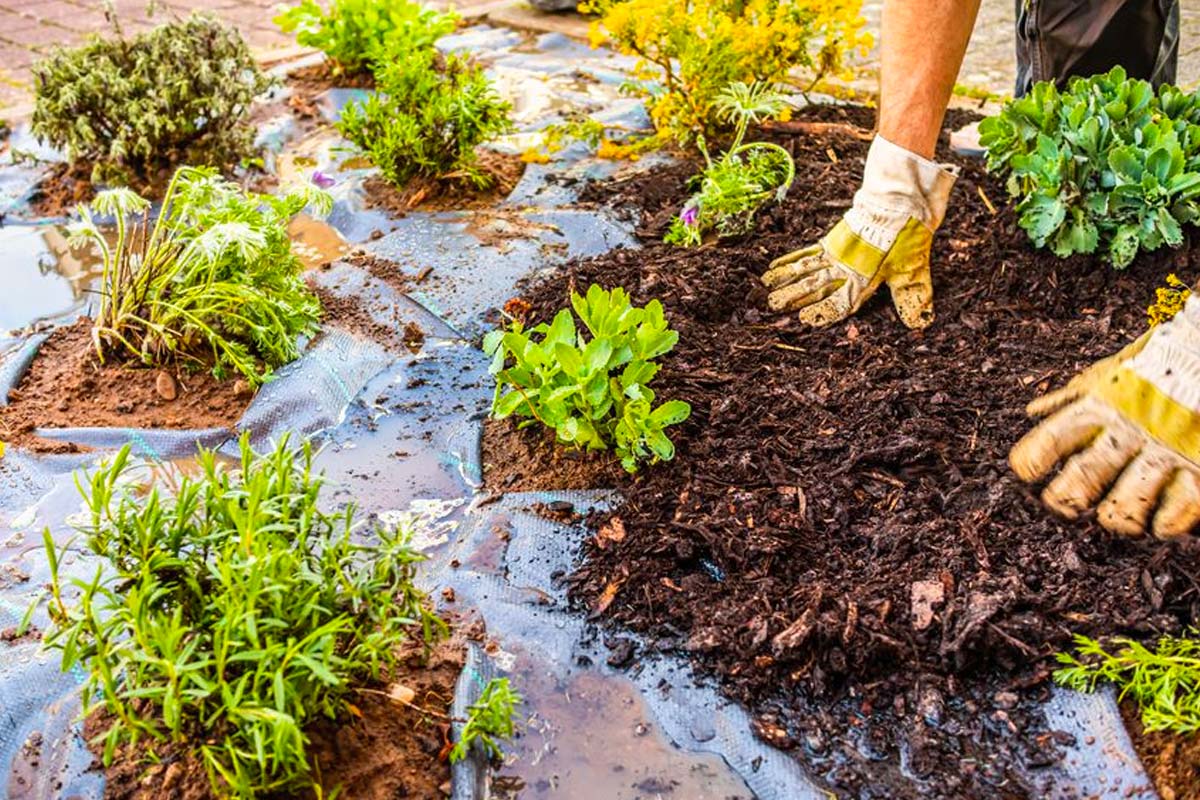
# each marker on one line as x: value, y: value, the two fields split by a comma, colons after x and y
x: 690, y: 216
x: 321, y: 180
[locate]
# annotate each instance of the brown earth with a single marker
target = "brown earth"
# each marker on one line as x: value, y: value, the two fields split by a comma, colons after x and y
x: 67, y: 387
x: 451, y: 192
x: 385, y: 751
x: 1172, y: 761
x: 840, y: 541
x: 527, y: 460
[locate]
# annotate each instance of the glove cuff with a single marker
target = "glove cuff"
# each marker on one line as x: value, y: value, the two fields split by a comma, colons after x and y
x: 898, y: 185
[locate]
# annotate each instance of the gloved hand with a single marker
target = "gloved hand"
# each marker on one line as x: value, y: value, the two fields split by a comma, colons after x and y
x: 1130, y: 429
x: 884, y: 237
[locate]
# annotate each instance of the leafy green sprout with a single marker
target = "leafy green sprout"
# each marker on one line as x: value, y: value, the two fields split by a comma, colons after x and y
x: 592, y: 390
x: 231, y: 612
x: 732, y: 188
x: 1164, y: 682
x: 489, y: 718
x: 212, y: 277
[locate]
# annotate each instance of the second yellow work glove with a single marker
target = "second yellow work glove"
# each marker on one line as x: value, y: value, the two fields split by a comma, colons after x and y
x: 885, y: 237
x: 1127, y: 440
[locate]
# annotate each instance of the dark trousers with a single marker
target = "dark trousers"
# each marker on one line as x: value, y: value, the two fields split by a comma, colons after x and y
x: 1057, y: 39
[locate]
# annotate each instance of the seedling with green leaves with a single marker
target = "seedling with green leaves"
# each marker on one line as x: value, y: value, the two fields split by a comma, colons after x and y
x: 231, y: 613
x: 131, y: 105
x: 592, y: 390
x: 211, y: 280
x: 426, y: 118
x: 1164, y: 682
x: 732, y: 189
x: 353, y: 33
x: 489, y: 718
x: 1108, y: 165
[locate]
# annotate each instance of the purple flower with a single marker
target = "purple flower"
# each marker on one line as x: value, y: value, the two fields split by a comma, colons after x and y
x: 321, y: 180
x: 690, y: 216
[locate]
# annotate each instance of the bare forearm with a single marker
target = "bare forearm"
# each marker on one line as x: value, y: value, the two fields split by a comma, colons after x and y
x: 922, y: 47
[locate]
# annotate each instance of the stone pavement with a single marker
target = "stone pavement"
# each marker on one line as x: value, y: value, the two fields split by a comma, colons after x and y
x: 29, y: 27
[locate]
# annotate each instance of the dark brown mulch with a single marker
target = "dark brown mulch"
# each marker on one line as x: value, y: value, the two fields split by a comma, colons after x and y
x: 840, y: 541
x: 448, y: 193
x: 67, y: 387
x: 390, y: 751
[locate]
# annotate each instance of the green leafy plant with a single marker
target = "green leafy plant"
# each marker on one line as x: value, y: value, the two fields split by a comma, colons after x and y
x: 731, y: 189
x: 1164, y: 682
x: 607, y: 140
x: 179, y: 93
x: 489, y: 718
x: 352, y: 33
x: 210, y: 280
x: 1109, y: 164
x: 592, y: 391
x: 426, y: 119
x: 231, y: 613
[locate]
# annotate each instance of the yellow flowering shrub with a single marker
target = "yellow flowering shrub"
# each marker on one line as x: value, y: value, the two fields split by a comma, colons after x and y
x: 693, y: 49
x: 1168, y: 300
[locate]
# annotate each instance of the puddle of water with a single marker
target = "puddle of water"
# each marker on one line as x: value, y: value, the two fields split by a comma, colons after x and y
x: 315, y: 242
x: 592, y: 737
x: 42, y: 277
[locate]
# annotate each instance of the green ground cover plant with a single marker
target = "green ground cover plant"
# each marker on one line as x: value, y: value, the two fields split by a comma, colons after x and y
x: 1164, y: 681
x: 231, y: 612
x: 131, y: 105
x: 1109, y: 165
x: 429, y: 113
x: 731, y: 189
x: 352, y: 33
x: 210, y: 281
x: 488, y: 719
x: 592, y: 390
x: 689, y: 51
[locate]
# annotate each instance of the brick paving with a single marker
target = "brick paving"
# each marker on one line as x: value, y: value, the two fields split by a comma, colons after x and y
x: 29, y: 27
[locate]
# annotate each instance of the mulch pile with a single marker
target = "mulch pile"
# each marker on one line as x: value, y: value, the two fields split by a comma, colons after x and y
x: 840, y: 540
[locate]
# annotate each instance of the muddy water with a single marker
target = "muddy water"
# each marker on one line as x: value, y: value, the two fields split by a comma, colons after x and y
x: 592, y: 736
x: 42, y: 276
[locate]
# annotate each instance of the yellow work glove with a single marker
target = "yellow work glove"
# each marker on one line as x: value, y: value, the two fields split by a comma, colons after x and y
x: 884, y: 238
x: 1128, y: 431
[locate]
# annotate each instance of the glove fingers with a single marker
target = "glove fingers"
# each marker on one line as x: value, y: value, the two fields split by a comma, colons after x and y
x: 794, y: 256
x: 1179, y: 512
x: 1128, y: 507
x: 912, y: 294
x: 1050, y: 402
x: 1053, y: 440
x: 837, y: 306
x: 812, y: 288
x: 796, y: 270
x: 1084, y: 479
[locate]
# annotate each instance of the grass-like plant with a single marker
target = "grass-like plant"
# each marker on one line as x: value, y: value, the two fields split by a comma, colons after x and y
x: 1109, y: 165
x: 229, y: 614
x: 426, y: 118
x: 689, y: 51
x: 210, y: 280
x: 489, y: 718
x: 131, y: 105
x: 1164, y: 682
x: 593, y: 391
x: 731, y: 189
x: 352, y: 33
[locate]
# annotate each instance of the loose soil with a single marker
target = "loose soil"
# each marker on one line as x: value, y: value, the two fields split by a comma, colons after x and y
x: 1172, y: 761
x: 64, y: 187
x: 840, y: 541
x: 509, y: 452
x: 448, y: 193
x: 390, y: 751
x: 66, y: 387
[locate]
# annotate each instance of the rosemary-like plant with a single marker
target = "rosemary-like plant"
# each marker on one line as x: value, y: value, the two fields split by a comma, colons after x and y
x: 489, y: 718
x: 1164, y: 682
x: 231, y: 613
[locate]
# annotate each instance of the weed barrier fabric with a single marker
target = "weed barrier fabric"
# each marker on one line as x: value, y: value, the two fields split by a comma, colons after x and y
x: 361, y: 397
